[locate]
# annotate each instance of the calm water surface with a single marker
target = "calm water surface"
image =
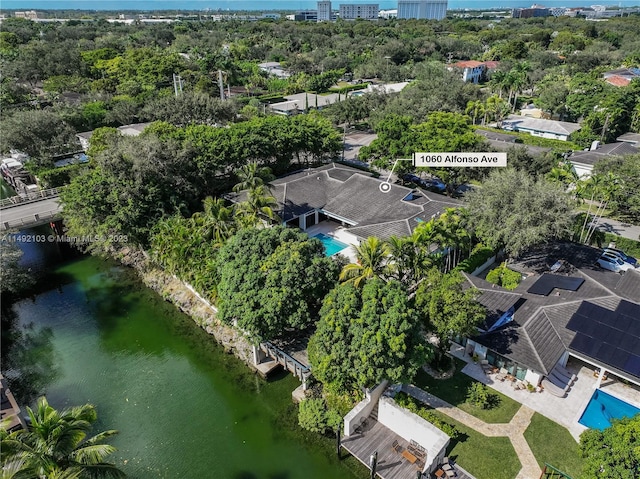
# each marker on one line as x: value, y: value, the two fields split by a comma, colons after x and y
x: 183, y: 407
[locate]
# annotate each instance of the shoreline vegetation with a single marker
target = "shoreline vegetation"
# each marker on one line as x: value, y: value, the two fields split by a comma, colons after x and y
x: 174, y: 290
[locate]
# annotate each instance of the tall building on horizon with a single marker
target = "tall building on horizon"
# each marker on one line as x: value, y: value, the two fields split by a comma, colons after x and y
x: 324, y: 11
x: 358, y: 10
x: 422, y: 9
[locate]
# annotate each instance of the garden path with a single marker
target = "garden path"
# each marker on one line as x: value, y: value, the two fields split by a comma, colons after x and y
x: 514, y: 429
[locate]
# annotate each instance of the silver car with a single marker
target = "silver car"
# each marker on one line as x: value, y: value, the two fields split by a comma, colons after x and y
x: 613, y: 263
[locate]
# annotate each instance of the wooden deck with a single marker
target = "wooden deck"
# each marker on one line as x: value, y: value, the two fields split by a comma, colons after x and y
x: 376, y: 437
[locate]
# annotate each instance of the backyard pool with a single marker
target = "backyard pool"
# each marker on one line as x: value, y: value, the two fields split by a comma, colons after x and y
x: 331, y: 245
x: 602, y: 408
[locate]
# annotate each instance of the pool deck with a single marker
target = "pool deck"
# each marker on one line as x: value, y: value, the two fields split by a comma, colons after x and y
x: 565, y: 411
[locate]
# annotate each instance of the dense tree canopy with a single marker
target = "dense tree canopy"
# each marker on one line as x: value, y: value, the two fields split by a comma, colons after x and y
x: 447, y: 309
x: 514, y: 211
x: 366, y: 335
x: 273, y: 280
x: 613, y: 453
x: 626, y: 195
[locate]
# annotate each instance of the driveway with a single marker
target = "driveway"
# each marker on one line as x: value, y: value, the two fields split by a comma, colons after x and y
x: 354, y: 140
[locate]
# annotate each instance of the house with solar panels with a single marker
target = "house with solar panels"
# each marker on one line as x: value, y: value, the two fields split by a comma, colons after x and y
x: 565, y: 307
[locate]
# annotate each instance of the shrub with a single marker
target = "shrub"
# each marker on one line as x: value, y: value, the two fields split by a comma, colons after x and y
x: 411, y: 404
x: 479, y: 256
x: 314, y: 416
x: 478, y: 395
x: 347, y: 88
x: 504, y: 277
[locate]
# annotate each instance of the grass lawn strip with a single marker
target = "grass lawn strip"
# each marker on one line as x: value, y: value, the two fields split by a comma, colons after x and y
x: 454, y: 391
x: 553, y: 444
x: 484, y: 457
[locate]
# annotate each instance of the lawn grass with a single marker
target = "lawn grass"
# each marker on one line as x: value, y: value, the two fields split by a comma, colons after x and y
x: 553, y: 444
x: 484, y: 457
x: 454, y: 391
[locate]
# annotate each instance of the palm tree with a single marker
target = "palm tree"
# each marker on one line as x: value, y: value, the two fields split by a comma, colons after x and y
x: 216, y: 222
x: 252, y: 176
x: 56, y: 446
x: 259, y: 204
x: 606, y: 191
x: 452, y: 235
x: 373, y: 257
x: 475, y: 109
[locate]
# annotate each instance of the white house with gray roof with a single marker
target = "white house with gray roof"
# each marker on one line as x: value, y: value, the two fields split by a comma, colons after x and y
x: 352, y: 198
x: 552, y: 129
x: 583, y: 162
x: 579, y: 310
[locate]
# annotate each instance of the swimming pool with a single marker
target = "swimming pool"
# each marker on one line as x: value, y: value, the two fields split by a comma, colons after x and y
x: 602, y: 408
x: 331, y: 245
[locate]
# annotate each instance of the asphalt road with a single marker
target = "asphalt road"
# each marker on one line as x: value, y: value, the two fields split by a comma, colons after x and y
x: 626, y: 230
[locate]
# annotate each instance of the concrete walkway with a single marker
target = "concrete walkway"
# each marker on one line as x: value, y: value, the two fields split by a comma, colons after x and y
x: 514, y: 430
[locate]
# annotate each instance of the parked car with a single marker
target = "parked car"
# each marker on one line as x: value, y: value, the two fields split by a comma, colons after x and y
x: 623, y: 256
x: 411, y: 178
x: 435, y: 184
x: 613, y: 263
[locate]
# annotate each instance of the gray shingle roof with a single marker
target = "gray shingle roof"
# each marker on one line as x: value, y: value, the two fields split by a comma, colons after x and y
x: 354, y: 196
x: 539, y: 333
x: 604, y: 151
x: 539, y: 124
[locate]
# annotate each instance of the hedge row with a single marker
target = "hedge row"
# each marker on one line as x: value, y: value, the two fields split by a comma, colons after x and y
x: 629, y: 246
x: 408, y: 402
x: 56, y: 177
x: 345, y: 89
x: 479, y: 256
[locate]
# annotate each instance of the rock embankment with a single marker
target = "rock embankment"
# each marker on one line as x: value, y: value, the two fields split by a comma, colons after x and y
x: 179, y: 293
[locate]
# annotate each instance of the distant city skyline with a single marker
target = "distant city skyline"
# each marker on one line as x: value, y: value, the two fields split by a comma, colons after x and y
x: 266, y: 5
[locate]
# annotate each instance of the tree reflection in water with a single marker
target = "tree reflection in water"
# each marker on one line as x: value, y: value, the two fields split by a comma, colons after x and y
x: 28, y: 357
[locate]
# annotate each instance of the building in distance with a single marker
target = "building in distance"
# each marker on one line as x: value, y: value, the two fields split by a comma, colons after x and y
x: 422, y: 9
x: 324, y: 11
x: 353, y: 11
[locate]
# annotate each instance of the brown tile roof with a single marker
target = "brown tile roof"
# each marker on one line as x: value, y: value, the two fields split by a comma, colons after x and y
x: 617, y: 80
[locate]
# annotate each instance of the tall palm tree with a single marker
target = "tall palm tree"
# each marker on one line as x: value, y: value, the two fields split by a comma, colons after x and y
x: 610, y: 185
x: 475, y: 109
x: 252, y: 176
x: 258, y: 206
x: 216, y: 222
x: 56, y: 446
x: 373, y: 257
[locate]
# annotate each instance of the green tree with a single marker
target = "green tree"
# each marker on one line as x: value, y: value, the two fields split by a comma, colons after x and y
x: 56, y: 445
x: 372, y: 255
x: 13, y: 277
x: 449, y: 311
x: 135, y: 182
x: 613, y: 453
x: 625, y: 199
x: 273, y: 280
x: 39, y: 133
x: 215, y: 223
x: 514, y: 211
x: 366, y: 335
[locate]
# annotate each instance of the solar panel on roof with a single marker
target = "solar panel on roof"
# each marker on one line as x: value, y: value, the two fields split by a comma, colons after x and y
x: 547, y: 282
x: 633, y: 365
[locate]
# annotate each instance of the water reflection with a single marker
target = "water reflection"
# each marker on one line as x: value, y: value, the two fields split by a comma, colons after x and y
x: 29, y: 360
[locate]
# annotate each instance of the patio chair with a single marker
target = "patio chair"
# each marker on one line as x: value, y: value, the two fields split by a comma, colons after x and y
x: 447, y: 467
x: 450, y: 473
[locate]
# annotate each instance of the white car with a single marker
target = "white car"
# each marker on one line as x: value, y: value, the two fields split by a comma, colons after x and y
x: 613, y: 263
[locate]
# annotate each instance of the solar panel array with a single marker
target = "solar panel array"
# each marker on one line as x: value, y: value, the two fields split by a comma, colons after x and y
x: 547, y: 282
x: 612, y: 337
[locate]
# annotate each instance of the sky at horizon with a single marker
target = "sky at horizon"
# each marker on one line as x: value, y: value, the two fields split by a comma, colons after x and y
x: 213, y: 5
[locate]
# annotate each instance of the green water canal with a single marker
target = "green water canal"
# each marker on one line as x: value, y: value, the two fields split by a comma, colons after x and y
x: 183, y: 407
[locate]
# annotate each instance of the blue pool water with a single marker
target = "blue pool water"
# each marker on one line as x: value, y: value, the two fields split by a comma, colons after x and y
x: 603, y: 408
x: 331, y: 245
